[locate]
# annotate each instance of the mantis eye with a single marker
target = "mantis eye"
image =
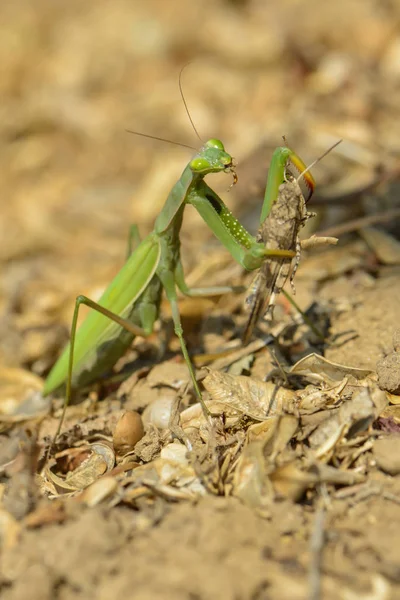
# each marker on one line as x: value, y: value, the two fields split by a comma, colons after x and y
x: 226, y: 160
x: 199, y: 164
x: 214, y: 143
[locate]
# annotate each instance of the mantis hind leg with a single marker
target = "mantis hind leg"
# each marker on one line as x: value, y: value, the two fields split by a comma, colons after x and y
x: 218, y: 290
x: 127, y: 325
x: 203, y: 291
x: 168, y: 282
x: 305, y: 318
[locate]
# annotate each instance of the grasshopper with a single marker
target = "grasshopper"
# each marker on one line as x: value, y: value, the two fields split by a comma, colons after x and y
x: 284, y: 214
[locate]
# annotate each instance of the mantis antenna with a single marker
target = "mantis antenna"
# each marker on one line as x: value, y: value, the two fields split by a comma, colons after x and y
x: 318, y: 159
x: 160, y: 139
x: 185, y: 103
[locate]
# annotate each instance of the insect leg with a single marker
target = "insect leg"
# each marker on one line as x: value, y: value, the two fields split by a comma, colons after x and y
x: 168, y: 281
x: 296, y: 262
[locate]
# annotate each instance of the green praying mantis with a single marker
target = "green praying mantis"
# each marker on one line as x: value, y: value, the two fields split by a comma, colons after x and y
x: 130, y: 305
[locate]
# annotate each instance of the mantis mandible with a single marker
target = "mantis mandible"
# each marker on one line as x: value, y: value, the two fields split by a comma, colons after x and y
x: 130, y: 305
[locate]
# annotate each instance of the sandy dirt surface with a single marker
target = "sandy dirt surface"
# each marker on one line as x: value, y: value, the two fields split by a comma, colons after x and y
x: 294, y: 490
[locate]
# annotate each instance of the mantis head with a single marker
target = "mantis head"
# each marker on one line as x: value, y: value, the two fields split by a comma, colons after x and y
x: 212, y: 158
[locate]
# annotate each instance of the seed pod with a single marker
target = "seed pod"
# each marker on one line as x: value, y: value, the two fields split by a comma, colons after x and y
x: 128, y: 431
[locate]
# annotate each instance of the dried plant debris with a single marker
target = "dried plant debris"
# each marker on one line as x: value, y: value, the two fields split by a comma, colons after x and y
x: 385, y: 246
x: 266, y: 440
x: 84, y: 465
x: 336, y: 418
x: 20, y: 398
x: 319, y: 369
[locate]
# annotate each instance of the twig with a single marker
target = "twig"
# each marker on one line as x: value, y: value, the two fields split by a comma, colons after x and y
x: 355, y: 224
x: 316, y: 547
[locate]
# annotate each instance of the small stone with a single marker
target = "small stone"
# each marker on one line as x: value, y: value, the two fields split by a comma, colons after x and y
x: 387, y: 454
x: 388, y: 371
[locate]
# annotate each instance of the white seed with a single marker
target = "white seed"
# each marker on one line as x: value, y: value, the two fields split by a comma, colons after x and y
x: 158, y: 413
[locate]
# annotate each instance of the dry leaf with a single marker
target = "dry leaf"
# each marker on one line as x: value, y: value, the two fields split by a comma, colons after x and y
x: 292, y: 480
x: 20, y: 397
x: 250, y: 482
x: 385, y: 246
x: 101, y: 459
x: 318, y: 369
x: 9, y: 529
x: 99, y: 490
x: 256, y: 399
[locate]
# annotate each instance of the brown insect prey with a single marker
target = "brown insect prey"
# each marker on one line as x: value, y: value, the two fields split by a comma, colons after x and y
x: 279, y: 231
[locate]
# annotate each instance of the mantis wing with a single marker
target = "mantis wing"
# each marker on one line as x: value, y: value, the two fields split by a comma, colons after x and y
x: 99, y: 339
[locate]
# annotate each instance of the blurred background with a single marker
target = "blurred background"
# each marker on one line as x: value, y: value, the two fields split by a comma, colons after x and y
x: 75, y: 75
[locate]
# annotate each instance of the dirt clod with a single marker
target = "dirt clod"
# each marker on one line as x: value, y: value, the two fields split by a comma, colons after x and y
x: 388, y: 370
x: 387, y: 454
